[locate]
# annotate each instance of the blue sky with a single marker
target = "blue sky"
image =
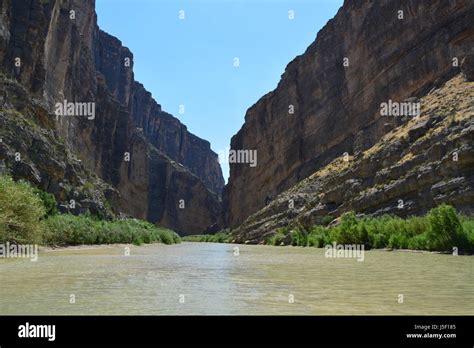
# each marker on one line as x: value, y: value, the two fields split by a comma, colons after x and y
x: 190, y: 62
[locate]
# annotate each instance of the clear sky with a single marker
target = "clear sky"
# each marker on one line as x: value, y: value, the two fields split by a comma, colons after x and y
x: 190, y: 61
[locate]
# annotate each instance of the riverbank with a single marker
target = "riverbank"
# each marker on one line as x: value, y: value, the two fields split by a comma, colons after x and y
x: 76, y: 230
x: 30, y: 216
x: 442, y: 229
x: 67, y: 248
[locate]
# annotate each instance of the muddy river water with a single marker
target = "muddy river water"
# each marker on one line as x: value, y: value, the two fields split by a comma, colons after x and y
x: 205, y: 278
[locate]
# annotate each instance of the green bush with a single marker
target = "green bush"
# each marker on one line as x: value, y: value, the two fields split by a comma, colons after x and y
x: 468, y: 227
x: 29, y: 215
x: 350, y: 230
x: 378, y: 240
x: 220, y: 237
x: 49, y: 202
x: 446, y: 230
x: 299, y: 237
x: 69, y: 229
x: 418, y: 242
x: 441, y: 229
x: 316, y: 237
x: 398, y: 241
x: 21, y: 212
x: 416, y: 225
x: 278, y: 237
x: 326, y: 220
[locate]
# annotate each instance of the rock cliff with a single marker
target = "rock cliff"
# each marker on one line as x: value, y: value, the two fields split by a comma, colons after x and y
x: 427, y: 161
x: 162, y: 172
x: 328, y: 104
x: 160, y: 128
x: 323, y: 145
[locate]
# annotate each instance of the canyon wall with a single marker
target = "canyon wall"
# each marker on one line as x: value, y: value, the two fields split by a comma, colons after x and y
x: 425, y: 162
x: 162, y: 172
x: 160, y: 128
x: 327, y: 102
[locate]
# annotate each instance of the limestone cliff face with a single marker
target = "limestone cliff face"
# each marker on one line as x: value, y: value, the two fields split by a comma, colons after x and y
x: 31, y: 149
x: 55, y: 49
x: 337, y: 107
x: 426, y: 161
x: 160, y: 128
x: 170, y: 136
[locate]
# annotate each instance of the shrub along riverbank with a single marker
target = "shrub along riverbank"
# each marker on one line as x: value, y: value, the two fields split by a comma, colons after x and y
x: 220, y: 237
x: 29, y: 216
x: 442, y: 229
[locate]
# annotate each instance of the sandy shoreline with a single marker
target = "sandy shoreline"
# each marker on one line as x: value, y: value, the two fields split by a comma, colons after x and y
x: 83, y: 247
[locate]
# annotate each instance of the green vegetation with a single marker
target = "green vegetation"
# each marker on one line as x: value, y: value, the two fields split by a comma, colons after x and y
x: 75, y: 230
x: 88, y: 186
x: 219, y: 237
x: 48, y: 200
x: 29, y: 216
x: 299, y: 237
x: 279, y: 237
x: 446, y: 229
x: 21, y: 211
x: 441, y: 229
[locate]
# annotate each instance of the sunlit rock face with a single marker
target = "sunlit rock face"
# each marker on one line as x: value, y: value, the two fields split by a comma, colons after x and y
x: 426, y: 161
x: 142, y: 151
x: 328, y: 100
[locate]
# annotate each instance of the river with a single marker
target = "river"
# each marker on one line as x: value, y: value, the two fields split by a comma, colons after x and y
x: 206, y: 278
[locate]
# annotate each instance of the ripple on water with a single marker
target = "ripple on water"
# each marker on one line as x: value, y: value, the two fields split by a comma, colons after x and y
x: 215, y: 281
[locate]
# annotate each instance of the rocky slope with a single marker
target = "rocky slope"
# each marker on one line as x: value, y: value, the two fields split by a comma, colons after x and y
x: 391, y: 55
x: 427, y: 161
x: 31, y: 149
x: 162, y: 172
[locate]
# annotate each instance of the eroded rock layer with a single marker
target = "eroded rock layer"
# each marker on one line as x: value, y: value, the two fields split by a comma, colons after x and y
x: 328, y: 100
